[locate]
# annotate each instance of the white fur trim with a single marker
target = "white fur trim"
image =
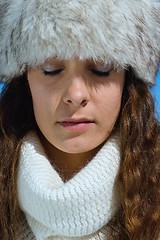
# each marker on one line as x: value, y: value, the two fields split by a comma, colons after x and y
x: 120, y: 31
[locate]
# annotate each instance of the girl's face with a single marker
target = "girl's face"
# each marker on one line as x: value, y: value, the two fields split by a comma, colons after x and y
x: 75, y: 102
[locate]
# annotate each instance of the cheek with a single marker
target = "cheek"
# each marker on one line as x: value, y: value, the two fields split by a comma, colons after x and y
x: 38, y: 98
x: 42, y: 99
x: 40, y: 103
x: 110, y: 111
x: 45, y: 107
x: 110, y: 104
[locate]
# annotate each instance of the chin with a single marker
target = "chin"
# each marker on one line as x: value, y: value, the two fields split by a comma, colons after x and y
x: 79, y: 149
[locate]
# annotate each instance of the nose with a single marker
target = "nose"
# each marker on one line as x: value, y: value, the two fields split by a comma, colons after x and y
x: 77, y: 92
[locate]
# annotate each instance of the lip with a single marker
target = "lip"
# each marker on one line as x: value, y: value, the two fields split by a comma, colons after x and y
x: 76, y: 124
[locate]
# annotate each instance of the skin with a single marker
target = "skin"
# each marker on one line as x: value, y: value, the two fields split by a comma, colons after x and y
x: 76, y: 104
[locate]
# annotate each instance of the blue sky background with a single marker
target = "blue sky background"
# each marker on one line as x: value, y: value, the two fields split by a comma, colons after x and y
x: 1, y: 86
x: 154, y: 90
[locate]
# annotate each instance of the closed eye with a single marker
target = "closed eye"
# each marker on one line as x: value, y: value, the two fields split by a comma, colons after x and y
x: 52, y: 73
x: 100, y: 73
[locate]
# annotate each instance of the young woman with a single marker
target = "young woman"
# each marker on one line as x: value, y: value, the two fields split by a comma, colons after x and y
x: 79, y: 143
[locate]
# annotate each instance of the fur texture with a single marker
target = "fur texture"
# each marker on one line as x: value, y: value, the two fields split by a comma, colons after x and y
x: 120, y: 31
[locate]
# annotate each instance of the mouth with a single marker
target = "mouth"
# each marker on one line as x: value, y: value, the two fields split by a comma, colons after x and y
x: 76, y: 124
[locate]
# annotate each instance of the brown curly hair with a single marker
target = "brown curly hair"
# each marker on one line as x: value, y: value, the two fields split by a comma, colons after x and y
x: 138, y: 181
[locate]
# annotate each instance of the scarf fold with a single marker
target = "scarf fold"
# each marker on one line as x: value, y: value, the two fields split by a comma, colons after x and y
x: 77, y: 208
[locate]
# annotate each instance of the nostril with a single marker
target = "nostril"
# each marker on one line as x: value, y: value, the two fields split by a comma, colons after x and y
x: 84, y: 103
x: 69, y: 101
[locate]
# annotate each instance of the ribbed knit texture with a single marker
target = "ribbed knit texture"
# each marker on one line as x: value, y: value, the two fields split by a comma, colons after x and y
x: 77, y: 208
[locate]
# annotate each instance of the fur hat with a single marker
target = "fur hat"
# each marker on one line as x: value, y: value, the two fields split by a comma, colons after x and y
x: 119, y: 31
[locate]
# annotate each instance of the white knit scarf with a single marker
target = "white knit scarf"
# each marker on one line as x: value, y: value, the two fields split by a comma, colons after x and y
x: 79, y: 207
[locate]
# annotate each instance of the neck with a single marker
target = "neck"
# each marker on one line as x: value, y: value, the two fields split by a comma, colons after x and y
x: 67, y: 164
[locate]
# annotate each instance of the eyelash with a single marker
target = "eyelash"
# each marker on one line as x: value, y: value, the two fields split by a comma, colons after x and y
x: 94, y: 71
x: 100, y: 73
x: 52, y: 73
